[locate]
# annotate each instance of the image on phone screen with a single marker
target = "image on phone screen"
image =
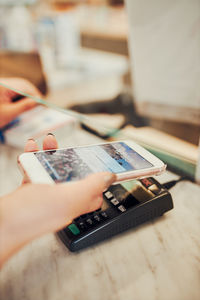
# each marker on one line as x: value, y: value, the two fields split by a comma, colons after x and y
x: 76, y: 163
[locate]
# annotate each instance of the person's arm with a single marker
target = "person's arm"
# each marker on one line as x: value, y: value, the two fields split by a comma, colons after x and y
x: 36, y: 209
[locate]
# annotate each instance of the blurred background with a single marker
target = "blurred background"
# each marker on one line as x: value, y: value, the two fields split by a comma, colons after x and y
x: 136, y: 63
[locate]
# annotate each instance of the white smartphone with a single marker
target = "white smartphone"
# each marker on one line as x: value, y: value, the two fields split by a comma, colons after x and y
x: 125, y: 158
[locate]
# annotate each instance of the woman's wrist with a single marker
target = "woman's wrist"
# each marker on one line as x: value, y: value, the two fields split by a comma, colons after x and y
x: 26, y: 214
x: 9, y: 241
x: 16, y: 222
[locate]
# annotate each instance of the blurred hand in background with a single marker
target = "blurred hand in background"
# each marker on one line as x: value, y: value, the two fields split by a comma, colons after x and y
x: 9, y: 107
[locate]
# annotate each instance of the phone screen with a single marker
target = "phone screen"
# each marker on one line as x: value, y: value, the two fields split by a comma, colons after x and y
x: 76, y: 163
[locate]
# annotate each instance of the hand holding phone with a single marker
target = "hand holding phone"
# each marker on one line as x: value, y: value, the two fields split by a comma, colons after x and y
x: 34, y: 209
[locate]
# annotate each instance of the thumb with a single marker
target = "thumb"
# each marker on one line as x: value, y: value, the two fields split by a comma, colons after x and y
x: 86, y: 195
x: 95, y: 184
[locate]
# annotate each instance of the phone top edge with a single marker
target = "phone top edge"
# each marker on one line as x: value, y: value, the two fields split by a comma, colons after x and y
x: 137, y: 148
x: 145, y: 153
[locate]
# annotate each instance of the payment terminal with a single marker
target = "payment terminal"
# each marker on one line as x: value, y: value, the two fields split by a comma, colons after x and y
x: 125, y: 206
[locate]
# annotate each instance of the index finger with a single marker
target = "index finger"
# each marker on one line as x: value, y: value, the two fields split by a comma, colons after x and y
x: 50, y: 142
x: 31, y: 146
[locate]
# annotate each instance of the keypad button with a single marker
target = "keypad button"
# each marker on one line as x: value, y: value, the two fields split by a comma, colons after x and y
x: 122, y: 208
x: 97, y: 218
x: 74, y: 229
x: 82, y: 226
x: 108, y: 195
x: 89, y: 222
x: 114, y: 201
x: 104, y: 215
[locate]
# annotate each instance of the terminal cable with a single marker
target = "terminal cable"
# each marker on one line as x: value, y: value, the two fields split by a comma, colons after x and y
x: 170, y: 184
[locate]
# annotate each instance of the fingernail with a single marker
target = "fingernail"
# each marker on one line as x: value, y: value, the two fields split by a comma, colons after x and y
x: 50, y: 134
x: 109, y: 179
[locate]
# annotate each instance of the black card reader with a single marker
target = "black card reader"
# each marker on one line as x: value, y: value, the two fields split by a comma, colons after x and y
x: 125, y: 205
